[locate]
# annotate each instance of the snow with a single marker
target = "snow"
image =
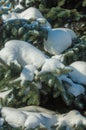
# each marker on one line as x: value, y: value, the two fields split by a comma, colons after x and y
x: 22, y: 53
x: 26, y: 14
x: 25, y: 119
x: 79, y: 72
x: 59, y: 39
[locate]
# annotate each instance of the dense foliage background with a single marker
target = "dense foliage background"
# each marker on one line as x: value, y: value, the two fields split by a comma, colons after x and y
x: 60, y: 13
